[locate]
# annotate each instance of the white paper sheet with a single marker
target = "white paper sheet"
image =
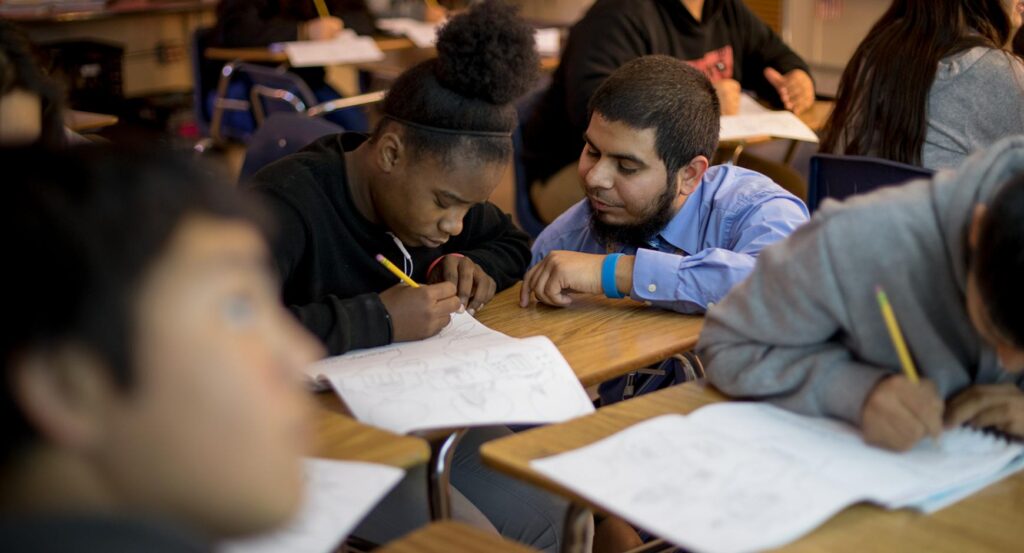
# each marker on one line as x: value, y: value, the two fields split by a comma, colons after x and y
x: 744, y: 477
x: 339, y: 494
x: 749, y: 105
x: 467, y: 375
x: 422, y: 34
x: 548, y: 41
x: 347, y: 48
x: 778, y: 124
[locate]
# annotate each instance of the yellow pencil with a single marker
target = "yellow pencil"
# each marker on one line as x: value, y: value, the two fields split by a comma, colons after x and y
x: 321, y: 8
x: 897, y: 336
x: 391, y: 267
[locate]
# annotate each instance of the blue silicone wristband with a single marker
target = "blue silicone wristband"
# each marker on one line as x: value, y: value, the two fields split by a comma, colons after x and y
x: 611, y: 289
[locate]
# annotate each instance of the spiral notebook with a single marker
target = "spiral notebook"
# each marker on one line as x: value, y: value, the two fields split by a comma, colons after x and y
x: 736, y: 477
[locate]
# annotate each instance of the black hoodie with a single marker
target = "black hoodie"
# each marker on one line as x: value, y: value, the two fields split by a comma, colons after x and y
x: 729, y: 42
x: 325, y: 249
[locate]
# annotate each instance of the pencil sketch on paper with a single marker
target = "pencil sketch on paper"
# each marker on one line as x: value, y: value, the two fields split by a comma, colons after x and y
x: 467, y: 375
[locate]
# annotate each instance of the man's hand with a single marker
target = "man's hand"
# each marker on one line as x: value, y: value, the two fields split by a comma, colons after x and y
x: 474, y: 286
x: 418, y: 313
x: 796, y: 89
x: 728, y: 91
x: 898, y: 413
x: 565, y: 272
x: 322, y: 28
x: 1000, y: 406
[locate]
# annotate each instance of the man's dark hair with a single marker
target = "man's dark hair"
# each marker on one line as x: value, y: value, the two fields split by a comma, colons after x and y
x: 998, y: 262
x: 665, y: 94
x: 486, y: 59
x: 79, y: 228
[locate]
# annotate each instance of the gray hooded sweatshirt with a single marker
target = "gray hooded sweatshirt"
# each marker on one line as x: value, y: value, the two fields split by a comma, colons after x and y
x: 977, y: 98
x: 804, y: 330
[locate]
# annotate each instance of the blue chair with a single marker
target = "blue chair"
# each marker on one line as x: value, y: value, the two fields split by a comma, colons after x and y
x: 280, y: 135
x: 527, y: 217
x: 219, y: 117
x: 840, y: 177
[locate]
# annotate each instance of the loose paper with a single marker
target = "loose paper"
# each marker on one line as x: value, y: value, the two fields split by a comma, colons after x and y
x: 467, y: 375
x: 776, y: 124
x: 339, y: 494
x: 348, y: 48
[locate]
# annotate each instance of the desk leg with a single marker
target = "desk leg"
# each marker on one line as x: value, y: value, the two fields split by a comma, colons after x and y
x: 574, y: 535
x: 791, y: 152
x: 439, y: 476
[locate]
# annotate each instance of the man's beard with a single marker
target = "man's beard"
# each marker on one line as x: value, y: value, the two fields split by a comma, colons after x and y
x: 636, y: 234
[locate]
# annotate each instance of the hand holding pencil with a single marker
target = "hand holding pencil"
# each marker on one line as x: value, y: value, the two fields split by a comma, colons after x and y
x: 324, y: 27
x: 902, y: 409
x: 417, y: 311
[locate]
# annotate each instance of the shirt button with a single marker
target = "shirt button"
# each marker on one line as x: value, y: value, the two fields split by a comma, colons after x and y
x: 711, y: 304
x: 652, y: 288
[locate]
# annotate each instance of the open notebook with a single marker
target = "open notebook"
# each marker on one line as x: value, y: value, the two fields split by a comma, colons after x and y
x: 735, y: 477
x: 467, y: 375
x: 339, y: 494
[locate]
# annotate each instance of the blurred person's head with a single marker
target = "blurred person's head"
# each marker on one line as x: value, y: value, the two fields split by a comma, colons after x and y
x: 149, y: 367
x: 30, y: 102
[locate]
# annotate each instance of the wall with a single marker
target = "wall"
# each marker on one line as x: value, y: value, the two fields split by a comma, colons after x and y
x: 821, y: 43
x: 829, y: 43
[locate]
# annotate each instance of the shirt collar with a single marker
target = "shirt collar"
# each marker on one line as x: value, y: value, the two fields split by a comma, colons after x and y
x: 683, y: 230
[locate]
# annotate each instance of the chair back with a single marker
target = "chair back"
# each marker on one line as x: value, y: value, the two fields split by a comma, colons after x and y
x: 839, y: 177
x: 280, y: 135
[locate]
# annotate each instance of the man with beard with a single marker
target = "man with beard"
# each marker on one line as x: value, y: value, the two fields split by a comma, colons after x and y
x: 658, y: 224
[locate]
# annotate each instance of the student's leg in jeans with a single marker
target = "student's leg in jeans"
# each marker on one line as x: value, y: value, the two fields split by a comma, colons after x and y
x: 518, y: 510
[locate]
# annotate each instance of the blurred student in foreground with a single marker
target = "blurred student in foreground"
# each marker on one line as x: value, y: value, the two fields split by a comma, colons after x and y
x: 151, y: 398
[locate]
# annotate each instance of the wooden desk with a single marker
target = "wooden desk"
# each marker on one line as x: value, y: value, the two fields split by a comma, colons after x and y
x: 87, y: 121
x: 260, y: 54
x: 452, y: 537
x: 338, y: 436
x: 988, y: 521
x: 599, y: 337
x: 46, y: 14
x: 817, y: 116
x: 400, y: 54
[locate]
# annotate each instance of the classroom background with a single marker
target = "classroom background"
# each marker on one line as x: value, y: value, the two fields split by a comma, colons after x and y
x: 133, y: 69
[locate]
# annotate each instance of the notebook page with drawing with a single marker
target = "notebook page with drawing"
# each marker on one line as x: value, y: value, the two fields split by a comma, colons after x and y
x: 467, y: 375
x: 339, y: 494
x: 750, y: 476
